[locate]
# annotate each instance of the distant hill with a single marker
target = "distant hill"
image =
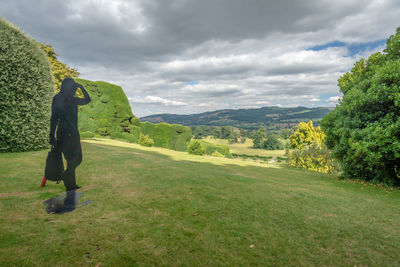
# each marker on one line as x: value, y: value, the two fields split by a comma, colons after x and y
x: 270, y: 117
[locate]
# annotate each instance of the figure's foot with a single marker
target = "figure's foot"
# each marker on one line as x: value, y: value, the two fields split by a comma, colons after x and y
x: 74, y: 188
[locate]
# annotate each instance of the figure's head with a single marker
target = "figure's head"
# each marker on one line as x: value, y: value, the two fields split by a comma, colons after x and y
x: 68, y: 87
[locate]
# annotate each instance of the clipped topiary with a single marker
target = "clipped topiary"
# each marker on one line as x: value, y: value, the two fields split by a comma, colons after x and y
x: 108, y: 112
x: 172, y: 136
x: 26, y: 90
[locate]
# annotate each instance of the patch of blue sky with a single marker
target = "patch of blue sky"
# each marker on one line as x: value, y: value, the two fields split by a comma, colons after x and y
x: 191, y: 83
x: 354, y: 48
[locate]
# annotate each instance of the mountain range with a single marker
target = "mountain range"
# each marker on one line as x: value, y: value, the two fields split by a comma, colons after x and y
x: 271, y: 117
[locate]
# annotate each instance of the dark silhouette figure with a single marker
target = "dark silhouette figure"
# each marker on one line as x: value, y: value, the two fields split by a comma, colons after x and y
x: 64, y: 114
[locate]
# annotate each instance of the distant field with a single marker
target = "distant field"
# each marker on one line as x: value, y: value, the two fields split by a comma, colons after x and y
x: 246, y: 148
x: 158, y: 207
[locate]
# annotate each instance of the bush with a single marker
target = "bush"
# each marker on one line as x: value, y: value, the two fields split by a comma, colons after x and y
x: 195, y: 148
x: 114, y: 135
x: 131, y: 138
x: 209, y: 148
x: 314, y: 158
x: 145, y: 140
x: 27, y: 88
x: 308, y: 150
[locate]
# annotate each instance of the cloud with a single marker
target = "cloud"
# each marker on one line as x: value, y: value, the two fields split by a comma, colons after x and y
x: 187, y: 56
x: 156, y: 100
x: 334, y: 99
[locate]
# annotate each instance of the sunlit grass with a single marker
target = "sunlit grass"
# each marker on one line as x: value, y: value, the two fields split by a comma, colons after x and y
x: 158, y: 207
x: 246, y: 148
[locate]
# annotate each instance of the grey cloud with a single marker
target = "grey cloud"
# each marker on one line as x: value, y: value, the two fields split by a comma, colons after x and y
x: 240, y: 52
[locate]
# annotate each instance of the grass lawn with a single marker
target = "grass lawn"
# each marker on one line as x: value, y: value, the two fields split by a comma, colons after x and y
x: 154, y: 206
x: 245, y: 148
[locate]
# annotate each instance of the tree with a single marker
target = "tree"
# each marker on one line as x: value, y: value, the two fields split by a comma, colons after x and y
x: 364, y: 129
x: 59, y: 69
x: 306, y: 134
x: 259, y: 137
x: 272, y: 142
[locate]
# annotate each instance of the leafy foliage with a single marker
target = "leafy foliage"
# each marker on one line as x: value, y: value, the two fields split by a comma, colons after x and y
x: 172, y: 136
x: 145, y: 140
x: 26, y: 84
x: 305, y: 135
x: 272, y: 142
x: 259, y: 137
x: 364, y: 129
x: 264, y: 141
x: 109, y: 111
x: 195, y: 148
x: 60, y: 70
x: 209, y: 148
x: 308, y: 151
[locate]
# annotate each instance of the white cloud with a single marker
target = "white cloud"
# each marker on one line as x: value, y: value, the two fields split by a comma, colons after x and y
x: 156, y: 100
x: 333, y: 99
x: 240, y: 55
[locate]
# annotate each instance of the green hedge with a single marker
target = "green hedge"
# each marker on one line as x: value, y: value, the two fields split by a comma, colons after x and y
x: 211, y: 148
x: 172, y: 136
x: 108, y: 112
x: 27, y: 88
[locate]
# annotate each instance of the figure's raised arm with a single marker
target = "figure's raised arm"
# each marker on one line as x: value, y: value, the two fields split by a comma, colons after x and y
x: 82, y: 101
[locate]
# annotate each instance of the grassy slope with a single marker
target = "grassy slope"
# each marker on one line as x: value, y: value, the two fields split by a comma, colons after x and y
x: 156, y: 206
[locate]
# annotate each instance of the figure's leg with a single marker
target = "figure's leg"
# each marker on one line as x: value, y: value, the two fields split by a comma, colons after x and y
x: 73, y: 155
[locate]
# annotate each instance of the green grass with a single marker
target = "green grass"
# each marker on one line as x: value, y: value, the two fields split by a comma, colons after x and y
x: 246, y: 148
x: 154, y: 206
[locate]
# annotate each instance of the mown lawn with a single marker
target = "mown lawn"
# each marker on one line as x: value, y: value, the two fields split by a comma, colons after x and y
x: 160, y: 207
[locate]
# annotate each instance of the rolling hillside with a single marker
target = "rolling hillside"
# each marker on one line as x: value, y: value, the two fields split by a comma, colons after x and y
x: 271, y: 117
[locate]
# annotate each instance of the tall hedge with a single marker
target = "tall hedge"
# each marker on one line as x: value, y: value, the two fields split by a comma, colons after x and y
x: 26, y: 90
x: 108, y: 112
x: 172, y: 136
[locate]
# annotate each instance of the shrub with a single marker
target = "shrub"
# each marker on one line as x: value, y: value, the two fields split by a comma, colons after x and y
x: 308, y: 150
x: 195, y: 148
x: 145, y: 140
x: 209, y: 148
x: 27, y: 87
x: 314, y: 158
x: 131, y: 138
x: 116, y: 135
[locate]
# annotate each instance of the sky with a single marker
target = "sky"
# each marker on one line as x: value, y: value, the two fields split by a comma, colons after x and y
x: 188, y: 56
